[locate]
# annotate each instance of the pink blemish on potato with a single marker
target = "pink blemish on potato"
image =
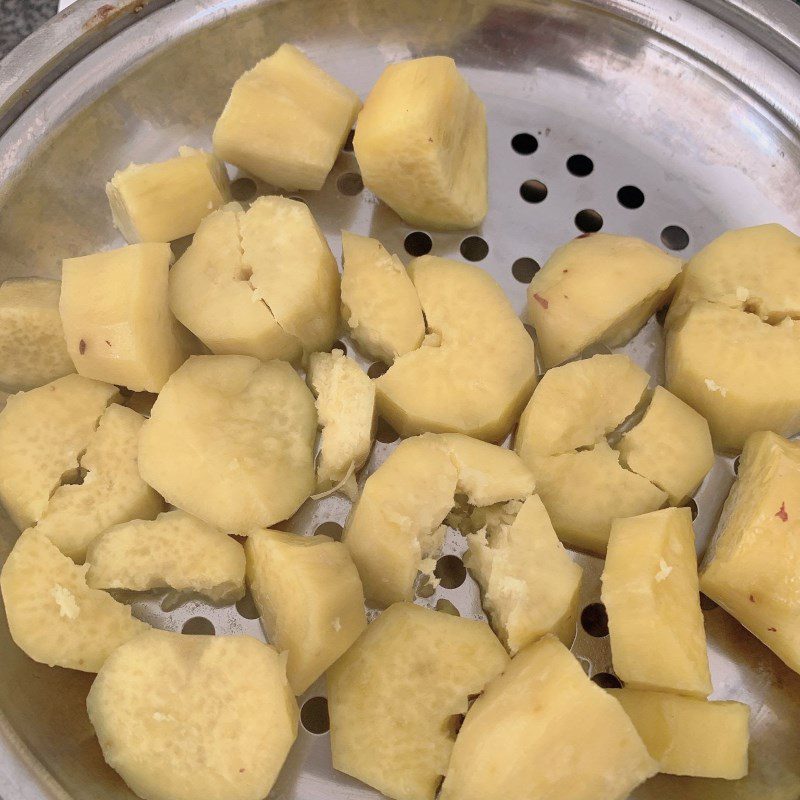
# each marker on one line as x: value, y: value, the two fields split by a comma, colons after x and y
x: 541, y: 300
x: 781, y: 513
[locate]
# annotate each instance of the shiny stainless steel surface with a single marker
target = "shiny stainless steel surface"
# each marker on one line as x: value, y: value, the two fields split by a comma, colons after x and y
x: 695, y: 103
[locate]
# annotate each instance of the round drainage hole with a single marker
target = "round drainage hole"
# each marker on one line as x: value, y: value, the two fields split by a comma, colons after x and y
x: 418, y: 243
x: 339, y: 345
x: 376, y: 369
x: 350, y: 184
x: 706, y: 603
x: 473, y: 248
x: 674, y: 237
x: 247, y: 607
x: 385, y: 433
x: 607, y: 680
x: 331, y: 529
x: 580, y: 165
x: 314, y: 715
x: 594, y: 620
x: 588, y: 220
x: 630, y: 197
x: 199, y: 626
x: 523, y: 269
x: 692, y: 504
x: 450, y: 571
x: 533, y: 191
x: 244, y: 189
x: 525, y: 144
x: 348, y: 142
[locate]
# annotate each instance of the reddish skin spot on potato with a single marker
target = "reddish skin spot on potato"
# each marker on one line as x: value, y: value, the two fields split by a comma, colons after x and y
x: 774, y: 630
x: 752, y: 599
x: 108, y: 343
x: 82, y: 347
x: 541, y: 300
x: 242, y: 769
x: 781, y: 513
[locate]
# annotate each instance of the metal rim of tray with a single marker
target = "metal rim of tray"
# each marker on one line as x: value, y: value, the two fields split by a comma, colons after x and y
x: 753, y: 42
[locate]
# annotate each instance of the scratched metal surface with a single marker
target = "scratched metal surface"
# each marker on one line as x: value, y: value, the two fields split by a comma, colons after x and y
x: 696, y: 108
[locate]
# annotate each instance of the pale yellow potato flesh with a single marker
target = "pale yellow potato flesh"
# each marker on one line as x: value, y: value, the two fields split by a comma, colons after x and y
x: 529, y: 584
x: 396, y: 523
x: 166, y: 200
x: 752, y: 565
x: 111, y: 492
x: 42, y: 434
x: 393, y: 696
x: 671, y: 446
x: 116, y: 316
x: 578, y: 403
x: 597, y: 289
x: 544, y: 731
x: 754, y: 269
x: 309, y: 598
x: 210, y: 292
x: 652, y: 597
x: 688, y: 736
x: 584, y: 491
x: 380, y: 305
x: 230, y: 440
x: 421, y: 144
x: 478, y: 375
x: 32, y: 346
x: 292, y: 269
x: 739, y: 372
x: 345, y: 398
x: 285, y: 121
x: 174, y: 550
x: 53, y: 615
x: 194, y: 717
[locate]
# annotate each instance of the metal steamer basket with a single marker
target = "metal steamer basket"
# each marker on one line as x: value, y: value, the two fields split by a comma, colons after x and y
x: 672, y: 120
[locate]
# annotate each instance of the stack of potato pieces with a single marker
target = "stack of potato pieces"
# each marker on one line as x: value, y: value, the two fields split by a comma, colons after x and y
x: 257, y: 411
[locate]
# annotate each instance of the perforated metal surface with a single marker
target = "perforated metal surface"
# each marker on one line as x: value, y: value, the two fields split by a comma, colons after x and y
x: 661, y: 97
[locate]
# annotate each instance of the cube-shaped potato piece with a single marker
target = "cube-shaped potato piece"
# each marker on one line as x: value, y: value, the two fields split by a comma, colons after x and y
x: 671, y: 446
x: 395, y: 525
x: 529, y: 584
x: 194, y: 717
x: 231, y: 440
x: 111, y: 492
x: 543, y: 729
x: 717, y: 379
x: 586, y: 490
x: 286, y: 121
x: 166, y: 200
x: 53, y: 615
x: 379, y: 302
x: 261, y: 282
x: 32, y: 346
x: 578, y: 403
x: 751, y: 567
x: 116, y: 317
x: 421, y: 144
x: 756, y: 270
x: 479, y: 374
x: 652, y: 597
x: 42, y: 434
x: 346, y: 410
x: 597, y: 289
x: 394, y: 696
x: 174, y: 550
x: 309, y: 597
x: 688, y: 736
